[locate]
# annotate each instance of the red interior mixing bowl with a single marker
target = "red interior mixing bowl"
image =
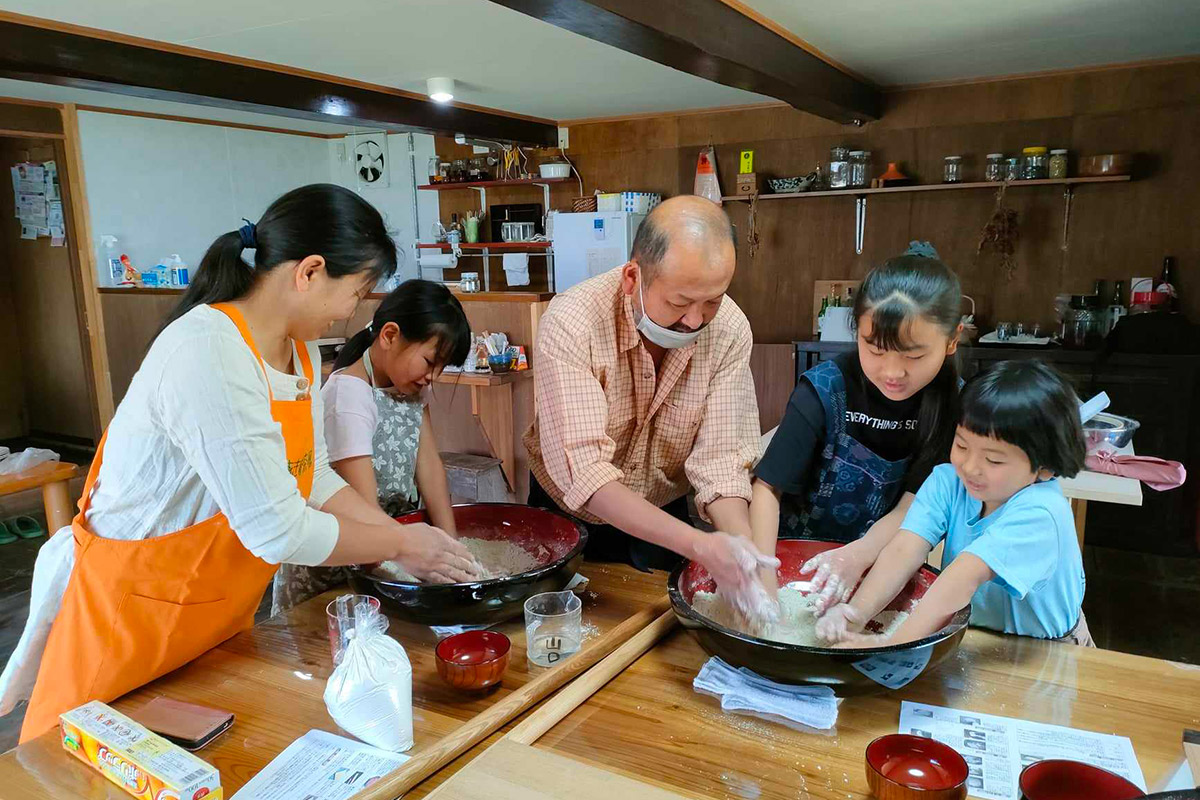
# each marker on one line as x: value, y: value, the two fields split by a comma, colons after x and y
x: 849, y: 671
x: 1061, y: 779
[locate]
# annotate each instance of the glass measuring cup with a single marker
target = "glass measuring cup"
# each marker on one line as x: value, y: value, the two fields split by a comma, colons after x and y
x: 340, y: 616
x: 552, y: 627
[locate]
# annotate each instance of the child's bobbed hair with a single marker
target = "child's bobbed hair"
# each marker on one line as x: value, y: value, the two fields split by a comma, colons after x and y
x: 1028, y: 404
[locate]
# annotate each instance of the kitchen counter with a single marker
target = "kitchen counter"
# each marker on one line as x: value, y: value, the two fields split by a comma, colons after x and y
x: 648, y: 722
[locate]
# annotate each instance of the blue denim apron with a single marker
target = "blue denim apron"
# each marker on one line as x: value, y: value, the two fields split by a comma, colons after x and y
x: 851, y: 487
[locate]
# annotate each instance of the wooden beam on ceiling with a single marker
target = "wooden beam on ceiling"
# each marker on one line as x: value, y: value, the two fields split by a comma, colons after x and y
x: 713, y: 40
x: 46, y: 52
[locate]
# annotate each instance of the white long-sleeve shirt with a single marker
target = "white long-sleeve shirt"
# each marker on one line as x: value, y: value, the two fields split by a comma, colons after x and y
x: 193, y: 436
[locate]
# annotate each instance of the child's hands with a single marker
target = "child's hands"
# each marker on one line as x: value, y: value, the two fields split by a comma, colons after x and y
x: 837, y: 574
x: 840, y: 623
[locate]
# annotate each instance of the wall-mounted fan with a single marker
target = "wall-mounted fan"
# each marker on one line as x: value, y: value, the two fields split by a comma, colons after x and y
x: 370, y: 159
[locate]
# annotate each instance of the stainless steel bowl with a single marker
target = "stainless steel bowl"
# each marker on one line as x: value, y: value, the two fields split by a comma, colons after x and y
x: 1109, y: 428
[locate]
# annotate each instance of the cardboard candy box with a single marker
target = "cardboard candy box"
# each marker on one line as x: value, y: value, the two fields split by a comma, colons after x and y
x: 142, y: 763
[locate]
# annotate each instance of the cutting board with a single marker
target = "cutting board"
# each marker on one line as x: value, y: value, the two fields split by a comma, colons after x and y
x: 511, y: 771
x: 821, y: 290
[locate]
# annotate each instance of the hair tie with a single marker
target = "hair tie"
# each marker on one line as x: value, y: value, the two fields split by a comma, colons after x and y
x: 249, y: 234
x: 921, y: 250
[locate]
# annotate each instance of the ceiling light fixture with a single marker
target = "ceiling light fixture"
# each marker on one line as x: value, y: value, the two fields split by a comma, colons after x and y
x: 441, y: 90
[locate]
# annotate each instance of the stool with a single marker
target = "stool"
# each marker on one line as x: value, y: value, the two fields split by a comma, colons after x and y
x: 475, y: 479
x: 52, y: 478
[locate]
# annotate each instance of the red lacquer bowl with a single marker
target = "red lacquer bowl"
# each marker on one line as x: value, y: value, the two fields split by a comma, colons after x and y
x: 473, y: 659
x: 905, y: 767
x: 1060, y: 779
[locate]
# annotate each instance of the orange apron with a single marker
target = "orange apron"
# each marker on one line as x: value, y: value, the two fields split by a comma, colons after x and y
x: 134, y: 610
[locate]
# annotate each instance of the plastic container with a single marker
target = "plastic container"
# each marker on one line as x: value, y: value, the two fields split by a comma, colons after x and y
x: 994, y: 171
x: 1035, y: 163
x: 114, y: 270
x: 858, y: 169
x: 339, y: 619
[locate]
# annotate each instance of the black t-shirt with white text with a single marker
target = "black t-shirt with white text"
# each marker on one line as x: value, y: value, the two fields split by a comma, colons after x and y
x: 889, y: 428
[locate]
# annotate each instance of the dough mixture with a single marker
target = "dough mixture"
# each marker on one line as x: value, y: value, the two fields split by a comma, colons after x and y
x: 797, y: 623
x: 498, y: 558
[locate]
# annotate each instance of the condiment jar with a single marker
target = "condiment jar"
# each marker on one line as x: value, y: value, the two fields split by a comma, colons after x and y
x: 1036, y: 164
x: 839, y: 168
x: 994, y: 171
x: 1058, y: 163
x: 1012, y: 169
x: 858, y: 169
x: 952, y: 170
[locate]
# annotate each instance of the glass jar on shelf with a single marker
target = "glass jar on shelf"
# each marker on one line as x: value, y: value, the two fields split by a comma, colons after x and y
x: 1058, y: 164
x: 839, y: 167
x: 1036, y: 164
x: 858, y: 169
x: 952, y: 169
x: 994, y: 171
x: 1012, y: 169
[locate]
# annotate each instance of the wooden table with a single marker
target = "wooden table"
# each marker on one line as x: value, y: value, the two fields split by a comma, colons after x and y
x: 53, y: 477
x: 272, y: 678
x: 648, y: 723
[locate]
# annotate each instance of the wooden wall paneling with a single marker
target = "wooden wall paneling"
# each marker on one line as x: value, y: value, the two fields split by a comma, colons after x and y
x: 1116, y: 231
x: 55, y: 380
x: 774, y: 369
x: 13, y: 413
x: 79, y: 240
x: 130, y: 322
x: 31, y: 117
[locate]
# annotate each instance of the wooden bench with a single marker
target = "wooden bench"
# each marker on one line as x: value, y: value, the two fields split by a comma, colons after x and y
x: 53, y: 478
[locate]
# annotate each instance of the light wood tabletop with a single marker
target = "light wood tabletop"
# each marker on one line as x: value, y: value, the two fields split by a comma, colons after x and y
x: 272, y: 678
x: 648, y: 723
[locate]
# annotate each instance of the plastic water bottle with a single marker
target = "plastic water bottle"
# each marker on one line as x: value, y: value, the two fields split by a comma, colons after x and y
x: 111, y: 258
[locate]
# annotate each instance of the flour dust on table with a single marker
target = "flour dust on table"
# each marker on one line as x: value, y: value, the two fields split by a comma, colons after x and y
x: 498, y: 558
x: 797, y: 622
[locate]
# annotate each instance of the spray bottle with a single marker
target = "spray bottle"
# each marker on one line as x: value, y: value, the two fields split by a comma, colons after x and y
x: 113, y: 268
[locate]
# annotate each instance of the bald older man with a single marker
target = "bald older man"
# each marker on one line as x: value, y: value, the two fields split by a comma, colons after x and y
x: 643, y: 387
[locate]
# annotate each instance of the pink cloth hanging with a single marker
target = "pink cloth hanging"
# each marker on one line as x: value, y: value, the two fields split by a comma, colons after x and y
x: 1157, y: 473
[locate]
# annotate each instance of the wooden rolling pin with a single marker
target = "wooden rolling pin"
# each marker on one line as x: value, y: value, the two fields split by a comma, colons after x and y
x: 483, y: 724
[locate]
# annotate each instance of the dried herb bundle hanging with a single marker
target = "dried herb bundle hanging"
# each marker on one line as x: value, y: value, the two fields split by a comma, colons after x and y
x: 752, y: 235
x: 1001, y: 233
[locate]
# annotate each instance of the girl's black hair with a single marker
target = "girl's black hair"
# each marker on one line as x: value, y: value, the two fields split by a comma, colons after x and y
x: 422, y: 310
x: 1028, y: 404
x: 895, y: 293
x: 318, y: 219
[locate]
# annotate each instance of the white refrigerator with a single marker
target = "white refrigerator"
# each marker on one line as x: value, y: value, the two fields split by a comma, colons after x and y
x: 590, y: 243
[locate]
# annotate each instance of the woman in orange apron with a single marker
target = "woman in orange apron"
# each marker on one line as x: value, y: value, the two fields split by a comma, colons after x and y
x: 214, y: 469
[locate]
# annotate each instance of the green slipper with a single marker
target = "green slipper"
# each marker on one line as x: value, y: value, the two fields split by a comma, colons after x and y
x: 26, y: 527
x: 6, y: 537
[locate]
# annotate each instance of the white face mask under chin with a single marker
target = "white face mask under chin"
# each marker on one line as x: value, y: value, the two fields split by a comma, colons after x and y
x: 663, y: 337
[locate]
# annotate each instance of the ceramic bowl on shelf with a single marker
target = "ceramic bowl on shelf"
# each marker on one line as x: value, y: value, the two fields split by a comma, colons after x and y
x: 500, y: 364
x: 847, y: 671
x: 1061, y: 779
x: 553, y: 538
x: 901, y: 766
x: 473, y: 660
x: 555, y: 169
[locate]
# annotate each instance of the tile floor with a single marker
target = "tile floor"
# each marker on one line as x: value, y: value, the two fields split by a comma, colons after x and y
x: 1135, y: 603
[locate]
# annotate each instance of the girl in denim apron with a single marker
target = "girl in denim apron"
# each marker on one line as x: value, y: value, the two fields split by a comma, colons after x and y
x: 377, y: 426
x: 863, y: 430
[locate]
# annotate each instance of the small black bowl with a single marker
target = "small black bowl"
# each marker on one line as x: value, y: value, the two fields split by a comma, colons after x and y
x: 555, y: 539
x: 847, y: 672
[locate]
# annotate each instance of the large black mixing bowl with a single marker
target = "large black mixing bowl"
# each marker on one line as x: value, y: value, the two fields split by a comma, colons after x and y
x: 848, y: 672
x: 554, y: 539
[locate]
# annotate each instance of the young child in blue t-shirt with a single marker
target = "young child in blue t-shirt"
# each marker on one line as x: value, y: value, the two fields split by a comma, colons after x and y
x: 1011, y: 550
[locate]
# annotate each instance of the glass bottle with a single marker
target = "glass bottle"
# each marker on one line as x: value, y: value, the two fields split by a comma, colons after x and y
x: 1012, y: 169
x: 994, y: 171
